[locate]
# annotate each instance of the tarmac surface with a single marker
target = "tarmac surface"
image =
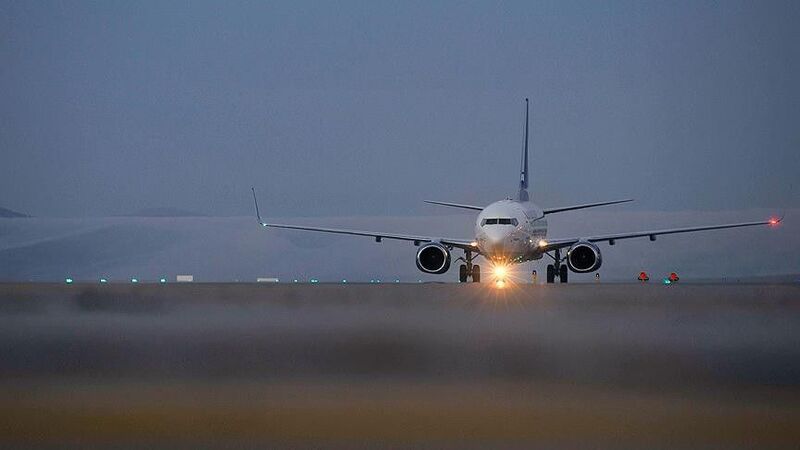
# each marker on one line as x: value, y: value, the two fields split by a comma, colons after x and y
x: 399, y: 366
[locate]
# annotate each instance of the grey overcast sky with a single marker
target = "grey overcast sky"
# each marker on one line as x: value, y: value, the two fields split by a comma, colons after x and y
x: 366, y: 108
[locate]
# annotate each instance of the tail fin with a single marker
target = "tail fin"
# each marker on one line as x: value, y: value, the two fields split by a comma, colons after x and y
x: 523, y: 175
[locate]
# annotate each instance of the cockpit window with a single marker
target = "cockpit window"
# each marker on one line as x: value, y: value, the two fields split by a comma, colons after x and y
x: 502, y: 221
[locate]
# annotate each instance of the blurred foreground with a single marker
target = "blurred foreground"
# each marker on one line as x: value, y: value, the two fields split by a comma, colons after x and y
x: 401, y: 365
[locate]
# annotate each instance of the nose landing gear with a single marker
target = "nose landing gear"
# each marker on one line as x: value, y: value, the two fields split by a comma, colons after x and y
x: 469, y: 270
x: 557, y: 270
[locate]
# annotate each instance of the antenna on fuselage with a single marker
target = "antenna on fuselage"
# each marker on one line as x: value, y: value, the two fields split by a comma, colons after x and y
x: 523, y: 174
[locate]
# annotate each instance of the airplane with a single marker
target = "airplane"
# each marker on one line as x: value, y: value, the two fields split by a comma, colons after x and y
x: 513, y: 231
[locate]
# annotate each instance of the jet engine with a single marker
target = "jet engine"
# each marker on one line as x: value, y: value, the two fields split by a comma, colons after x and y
x: 584, y: 257
x: 433, y: 258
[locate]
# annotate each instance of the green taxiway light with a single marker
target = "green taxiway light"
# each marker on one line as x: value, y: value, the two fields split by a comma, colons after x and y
x: 667, y: 281
x: 134, y: 280
x: 103, y: 280
x: 344, y: 281
x: 163, y: 280
x: 68, y: 280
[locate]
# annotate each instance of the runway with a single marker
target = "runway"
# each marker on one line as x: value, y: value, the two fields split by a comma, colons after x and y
x: 400, y: 365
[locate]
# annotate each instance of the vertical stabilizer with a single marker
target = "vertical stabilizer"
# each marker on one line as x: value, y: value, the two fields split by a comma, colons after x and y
x: 523, y: 174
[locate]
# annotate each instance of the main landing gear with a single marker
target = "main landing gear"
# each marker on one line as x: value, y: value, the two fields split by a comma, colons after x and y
x: 557, y: 270
x: 469, y: 270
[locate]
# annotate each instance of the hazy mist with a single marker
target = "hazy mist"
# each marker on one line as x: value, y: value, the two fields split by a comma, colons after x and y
x: 354, y: 112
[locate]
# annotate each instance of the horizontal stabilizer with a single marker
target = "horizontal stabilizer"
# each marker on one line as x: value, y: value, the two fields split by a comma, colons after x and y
x: 455, y: 205
x: 585, y: 205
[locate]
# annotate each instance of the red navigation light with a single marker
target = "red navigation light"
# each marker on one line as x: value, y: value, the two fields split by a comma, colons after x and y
x: 774, y: 221
x: 643, y: 276
x: 673, y: 277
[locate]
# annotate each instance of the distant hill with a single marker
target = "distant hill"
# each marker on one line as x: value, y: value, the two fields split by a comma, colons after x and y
x: 9, y: 214
x: 165, y: 212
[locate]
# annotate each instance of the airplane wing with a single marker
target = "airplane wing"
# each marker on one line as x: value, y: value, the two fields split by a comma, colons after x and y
x: 460, y: 243
x: 612, y: 238
x: 585, y: 205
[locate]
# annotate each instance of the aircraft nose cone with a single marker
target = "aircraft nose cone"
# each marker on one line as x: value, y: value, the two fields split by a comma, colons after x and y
x: 495, y: 243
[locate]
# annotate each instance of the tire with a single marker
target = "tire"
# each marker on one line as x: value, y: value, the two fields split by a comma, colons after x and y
x: 476, y: 273
x: 563, y: 273
x: 462, y: 273
x: 551, y: 274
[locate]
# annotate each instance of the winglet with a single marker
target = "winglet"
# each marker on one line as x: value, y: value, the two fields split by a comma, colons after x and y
x: 258, y: 214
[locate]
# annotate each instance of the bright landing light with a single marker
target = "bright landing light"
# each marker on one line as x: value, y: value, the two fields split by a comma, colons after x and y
x: 500, y: 273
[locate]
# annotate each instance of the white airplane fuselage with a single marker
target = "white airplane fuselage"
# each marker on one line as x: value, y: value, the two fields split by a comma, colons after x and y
x: 510, y: 231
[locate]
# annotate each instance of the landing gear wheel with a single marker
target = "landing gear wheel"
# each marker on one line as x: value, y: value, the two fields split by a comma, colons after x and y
x: 563, y: 274
x: 476, y: 273
x: 462, y: 273
x: 551, y: 274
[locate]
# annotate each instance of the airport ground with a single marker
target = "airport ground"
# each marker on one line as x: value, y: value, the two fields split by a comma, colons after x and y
x: 399, y: 365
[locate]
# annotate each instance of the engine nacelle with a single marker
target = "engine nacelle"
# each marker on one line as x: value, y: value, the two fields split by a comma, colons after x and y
x: 433, y: 258
x: 584, y: 257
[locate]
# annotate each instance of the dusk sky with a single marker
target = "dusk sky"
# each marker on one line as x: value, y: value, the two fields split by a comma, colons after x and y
x: 367, y: 108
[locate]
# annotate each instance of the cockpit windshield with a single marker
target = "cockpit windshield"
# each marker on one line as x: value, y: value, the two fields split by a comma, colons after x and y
x: 499, y: 221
